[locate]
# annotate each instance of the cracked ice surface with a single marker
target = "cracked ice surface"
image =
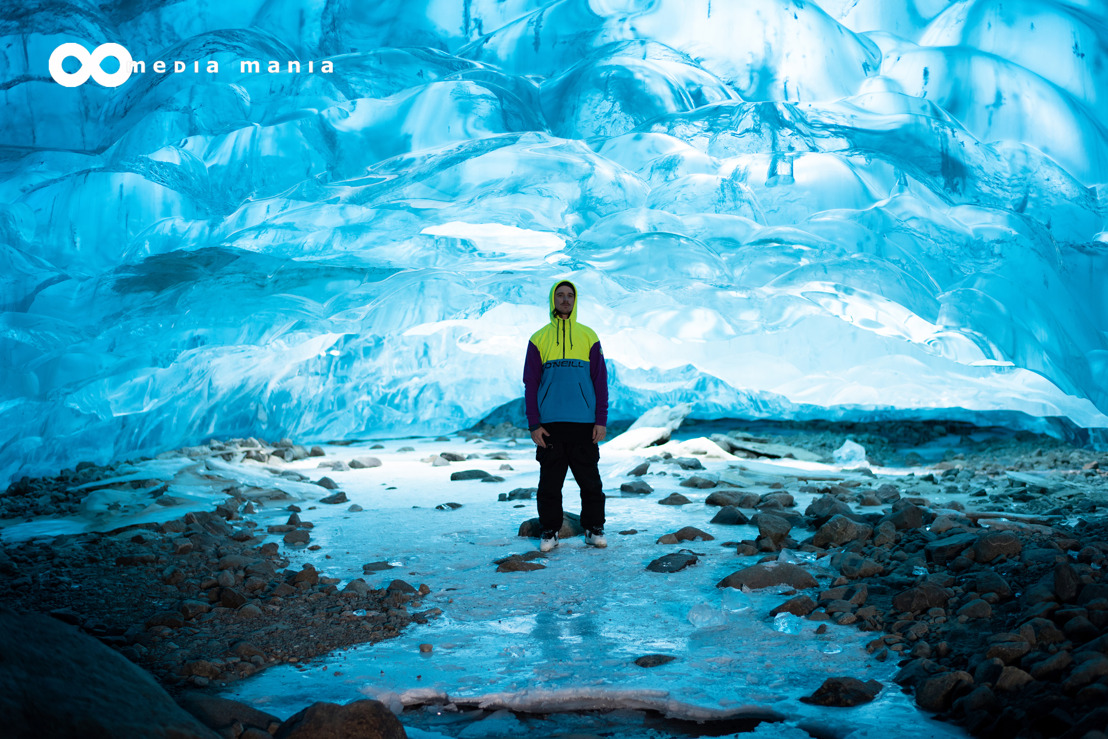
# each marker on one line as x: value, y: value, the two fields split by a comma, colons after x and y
x: 565, y: 638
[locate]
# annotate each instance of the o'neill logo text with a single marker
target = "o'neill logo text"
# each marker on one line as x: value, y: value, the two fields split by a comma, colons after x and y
x: 90, y: 65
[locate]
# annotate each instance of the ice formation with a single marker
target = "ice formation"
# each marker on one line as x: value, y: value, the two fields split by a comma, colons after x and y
x: 772, y: 207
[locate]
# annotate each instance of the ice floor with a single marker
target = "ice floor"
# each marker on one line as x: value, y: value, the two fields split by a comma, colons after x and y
x: 564, y: 639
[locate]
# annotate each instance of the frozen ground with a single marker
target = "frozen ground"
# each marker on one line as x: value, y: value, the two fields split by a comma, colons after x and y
x: 563, y: 638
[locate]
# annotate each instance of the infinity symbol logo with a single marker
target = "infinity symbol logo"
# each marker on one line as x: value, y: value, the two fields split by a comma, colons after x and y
x: 90, y: 65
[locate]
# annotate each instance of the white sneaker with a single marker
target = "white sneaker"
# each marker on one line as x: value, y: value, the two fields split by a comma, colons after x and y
x: 549, y: 541
x: 596, y: 539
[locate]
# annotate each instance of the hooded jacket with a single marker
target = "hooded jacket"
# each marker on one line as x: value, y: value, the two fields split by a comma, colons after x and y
x: 564, y: 376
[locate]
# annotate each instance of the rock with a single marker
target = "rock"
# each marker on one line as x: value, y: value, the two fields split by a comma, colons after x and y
x: 1080, y: 630
x: 1085, y: 673
x: 654, y: 660
x: 364, y: 463
x: 768, y: 574
x: 823, y: 508
x: 221, y: 714
x: 399, y: 586
x: 1008, y: 652
x: 300, y: 536
x: 452, y: 456
x: 884, y: 534
x: 190, y: 609
x: 922, y: 598
x: 362, y: 719
x: 777, y: 500
x: 688, y: 463
x: 936, y: 693
x: 469, y: 475
x: 426, y: 648
x: 571, y: 527
x: 730, y: 516
x: 689, y: 533
x: 991, y: 546
x: 1052, y: 667
x: 327, y: 483
x: 696, y: 481
x: 637, y: 487
x: 988, y: 581
x: 674, y: 562
x: 674, y: 499
x: 522, y: 494
x: 375, y: 567
x: 853, y: 566
x: 1066, y: 582
x: 843, y: 692
x: 906, y: 516
x: 640, y: 469
x: 449, y: 506
x: 231, y: 598
x: 1011, y: 679
x: 56, y: 681
x: 773, y: 529
x: 357, y: 587
x: 732, y: 498
x: 976, y: 608
x: 519, y: 563
x: 942, y: 551
x: 800, y: 605
x: 169, y: 619
x: 339, y: 497
x: 840, y: 530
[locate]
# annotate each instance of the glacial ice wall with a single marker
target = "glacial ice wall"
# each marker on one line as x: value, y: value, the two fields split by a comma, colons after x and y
x: 772, y: 207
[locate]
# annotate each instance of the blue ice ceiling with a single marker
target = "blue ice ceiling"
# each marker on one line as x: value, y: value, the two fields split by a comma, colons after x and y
x: 771, y: 207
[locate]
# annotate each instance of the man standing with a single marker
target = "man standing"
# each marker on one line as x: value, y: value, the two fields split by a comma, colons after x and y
x: 566, y: 394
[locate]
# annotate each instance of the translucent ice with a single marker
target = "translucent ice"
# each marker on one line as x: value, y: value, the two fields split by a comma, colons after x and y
x: 850, y: 454
x: 825, y: 209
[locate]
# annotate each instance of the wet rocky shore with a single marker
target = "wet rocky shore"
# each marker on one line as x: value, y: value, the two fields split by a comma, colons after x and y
x: 981, y: 575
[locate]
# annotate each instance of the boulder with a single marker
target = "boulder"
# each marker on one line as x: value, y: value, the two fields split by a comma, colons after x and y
x: 56, y: 681
x: 654, y: 660
x: 674, y: 499
x: 571, y: 527
x: 922, y: 598
x: 362, y: 719
x: 768, y: 574
x: 729, y: 515
x: 936, y: 693
x: 823, y: 508
x: 843, y: 692
x: 840, y: 530
x: 221, y: 714
x: 994, y: 545
x: 363, y: 463
x: 942, y: 551
x: 773, y: 529
x: 800, y: 605
x: 469, y: 475
x: 673, y: 562
x: 636, y: 487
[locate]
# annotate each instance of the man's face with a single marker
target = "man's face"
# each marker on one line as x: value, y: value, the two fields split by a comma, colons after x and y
x: 563, y: 300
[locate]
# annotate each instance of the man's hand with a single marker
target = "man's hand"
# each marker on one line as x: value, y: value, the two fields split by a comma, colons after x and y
x: 539, y: 436
x: 598, y: 434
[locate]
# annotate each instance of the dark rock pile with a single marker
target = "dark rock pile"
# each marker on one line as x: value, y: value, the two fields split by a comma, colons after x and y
x: 198, y: 599
x: 1002, y: 627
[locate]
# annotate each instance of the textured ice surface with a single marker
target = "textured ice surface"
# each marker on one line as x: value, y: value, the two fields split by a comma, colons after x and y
x: 771, y: 208
x: 565, y: 638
